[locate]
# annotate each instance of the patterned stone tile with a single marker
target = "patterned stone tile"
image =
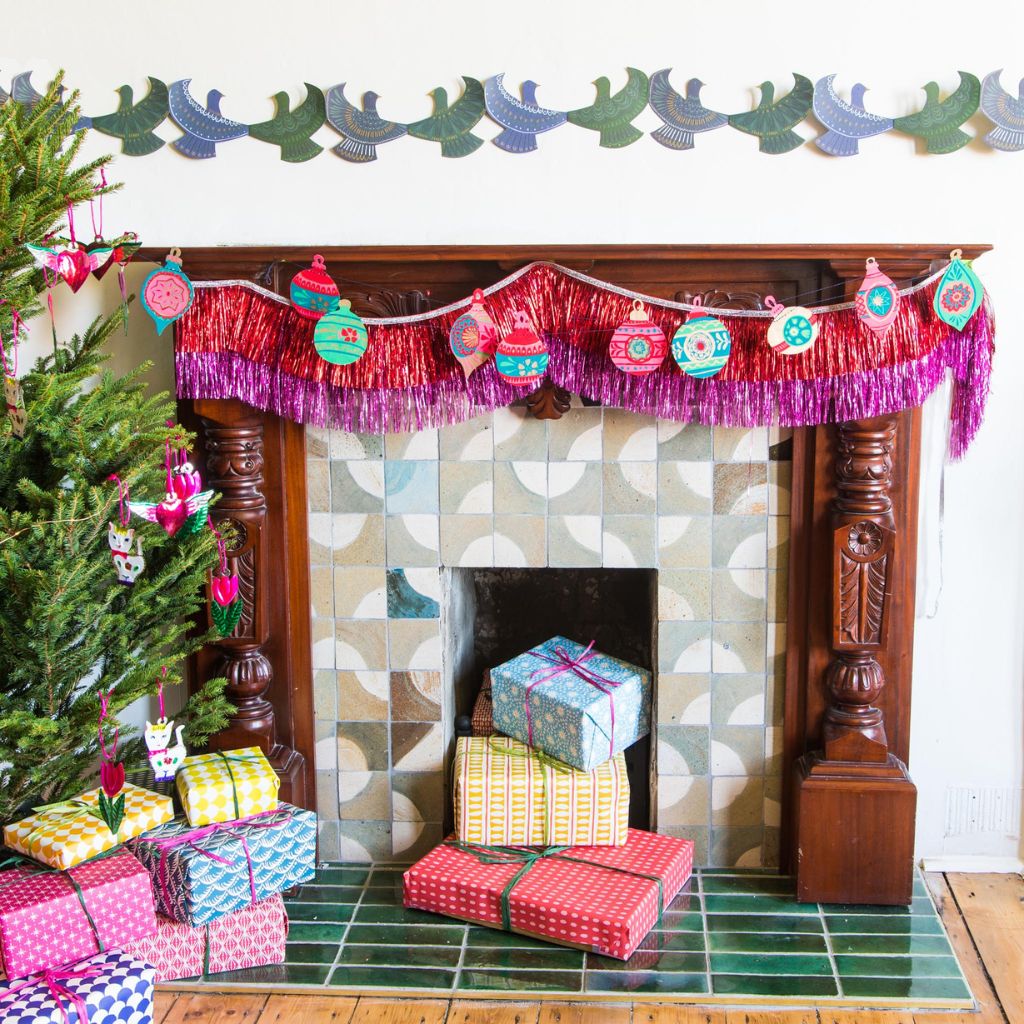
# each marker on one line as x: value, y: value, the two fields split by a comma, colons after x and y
x: 684, y: 487
x: 682, y: 800
x: 363, y: 841
x: 738, y: 595
x: 320, y: 552
x: 419, y: 444
x: 318, y: 485
x: 737, y: 750
x: 576, y: 437
x: 411, y: 840
x: 416, y: 696
x: 327, y: 795
x: 574, y: 488
x: 344, y: 445
x: 780, y: 487
x: 519, y: 436
x: 328, y: 840
x: 417, y: 747
x: 414, y: 644
x: 736, y: 847
x: 360, y: 643
x: 357, y: 486
x: 684, y: 542
x: 467, y: 487
x: 364, y: 795
x: 467, y: 540
x: 520, y: 540
x: 357, y: 539
x: 736, y: 802
x: 414, y: 540
x: 363, y: 695
x: 778, y: 542
x: 413, y: 593
x: 740, y: 489
x: 325, y: 694
x: 628, y: 542
x: 521, y: 487
x: 684, y: 595
x: 418, y: 796
x: 740, y: 542
x: 574, y: 541
x: 683, y: 749
x: 738, y: 647
x: 684, y: 699
x: 629, y: 437
x: 359, y: 592
x: 741, y: 444
x: 323, y: 643
x: 321, y: 591
x: 470, y: 441
x: 316, y: 443
x: 411, y: 487
x: 738, y: 699
x: 630, y: 488
x: 326, y: 752
x: 684, y: 647
x: 697, y: 834
x: 778, y: 595
x: 683, y: 441
x: 362, y: 747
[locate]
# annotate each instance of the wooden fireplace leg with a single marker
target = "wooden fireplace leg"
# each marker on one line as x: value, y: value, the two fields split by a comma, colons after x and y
x: 854, y: 803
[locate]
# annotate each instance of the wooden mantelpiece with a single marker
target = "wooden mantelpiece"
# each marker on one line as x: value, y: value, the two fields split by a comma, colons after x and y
x: 848, y: 805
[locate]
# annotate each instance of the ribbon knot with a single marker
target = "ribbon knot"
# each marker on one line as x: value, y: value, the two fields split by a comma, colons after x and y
x: 54, y: 981
x: 226, y: 760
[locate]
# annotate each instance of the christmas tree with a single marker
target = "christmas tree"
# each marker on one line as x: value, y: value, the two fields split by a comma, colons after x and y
x: 69, y: 630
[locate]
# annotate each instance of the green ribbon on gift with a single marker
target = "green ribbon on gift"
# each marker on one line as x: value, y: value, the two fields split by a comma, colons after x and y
x: 528, y: 858
x: 226, y: 760
x: 63, y: 810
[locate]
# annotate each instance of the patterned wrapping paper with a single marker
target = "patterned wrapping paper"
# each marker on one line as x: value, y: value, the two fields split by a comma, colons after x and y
x: 65, y: 834
x: 200, y: 875
x: 45, y: 923
x: 113, y: 988
x: 226, y: 785
x: 573, y: 720
x: 253, y: 937
x: 600, y: 898
x: 482, y: 719
x: 507, y: 794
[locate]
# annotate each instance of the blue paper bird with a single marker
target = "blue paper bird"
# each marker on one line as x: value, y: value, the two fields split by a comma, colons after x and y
x: 1005, y: 112
x: 522, y: 120
x: 23, y: 92
x: 363, y: 130
x: 847, y: 123
x: 203, y: 127
x: 682, y: 116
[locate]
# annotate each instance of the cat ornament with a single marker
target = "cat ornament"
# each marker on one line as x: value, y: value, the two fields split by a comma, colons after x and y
x: 164, y: 759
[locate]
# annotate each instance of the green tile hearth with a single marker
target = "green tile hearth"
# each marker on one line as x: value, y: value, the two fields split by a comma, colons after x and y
x: 731, y: 935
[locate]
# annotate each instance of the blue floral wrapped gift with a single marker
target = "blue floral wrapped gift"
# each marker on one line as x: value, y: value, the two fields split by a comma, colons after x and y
x: 202, y: 874
x: 572, y: 702
x: 109, y: 988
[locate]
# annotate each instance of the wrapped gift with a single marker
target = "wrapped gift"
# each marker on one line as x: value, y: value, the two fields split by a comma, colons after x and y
x: 49, y: 918
x: 482, y: 719
x: 201, y: 874
x: 599, y: 898
x: 253, y: 937
x: 110, y: 988
x: 572, y: 702
x: 508, y: 794
x: 226, y: 785
x: 65, y: 834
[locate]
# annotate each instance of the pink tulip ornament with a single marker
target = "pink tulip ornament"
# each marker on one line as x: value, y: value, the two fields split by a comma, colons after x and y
x: 225, y: 589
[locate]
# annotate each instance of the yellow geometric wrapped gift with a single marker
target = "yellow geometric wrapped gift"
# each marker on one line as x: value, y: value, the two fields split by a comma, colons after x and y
x: 67, y: 833
x: 509, y: 794
x: 226, y: 785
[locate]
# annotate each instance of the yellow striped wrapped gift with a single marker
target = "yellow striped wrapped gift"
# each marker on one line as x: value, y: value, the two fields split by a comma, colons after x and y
x: 226, y: 785
x: 508, y: 794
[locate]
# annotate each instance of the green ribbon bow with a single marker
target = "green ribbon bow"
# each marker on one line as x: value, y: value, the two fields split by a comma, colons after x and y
x: 226, y: 760
x: 63, y: 810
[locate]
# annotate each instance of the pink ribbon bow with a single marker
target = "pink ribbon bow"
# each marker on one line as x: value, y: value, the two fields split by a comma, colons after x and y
x: 54, y: 981
x: 564, y: 662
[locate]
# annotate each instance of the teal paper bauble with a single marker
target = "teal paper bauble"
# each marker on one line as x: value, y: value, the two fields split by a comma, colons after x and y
x: 701, y: 345
x: 340, y: 336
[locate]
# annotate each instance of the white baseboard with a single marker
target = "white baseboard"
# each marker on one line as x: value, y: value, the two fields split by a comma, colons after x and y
x: 971, y: 863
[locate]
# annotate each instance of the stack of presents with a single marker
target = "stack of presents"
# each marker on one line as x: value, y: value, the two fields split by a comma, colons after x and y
x: 91, y: 917
x: 542, y: 843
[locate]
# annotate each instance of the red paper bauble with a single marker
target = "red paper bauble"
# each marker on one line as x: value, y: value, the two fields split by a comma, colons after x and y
x: 638, y: 346
x: 313, y: 293
x: 522, y: 356
x: 878, y: 299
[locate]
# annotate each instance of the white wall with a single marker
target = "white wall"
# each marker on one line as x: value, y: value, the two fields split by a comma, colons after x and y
x: 969, y: 657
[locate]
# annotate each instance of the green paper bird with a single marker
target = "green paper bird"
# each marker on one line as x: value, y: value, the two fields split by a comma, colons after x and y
x: 611, y: 115
x: 772, y: 121
x: 453, y: 125
x: 938, y: 123
x: 133, y: 123
x: 291, y: 129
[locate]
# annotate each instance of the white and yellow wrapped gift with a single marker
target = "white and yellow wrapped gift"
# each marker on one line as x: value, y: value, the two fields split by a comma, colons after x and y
x: 64, y: 834
x: 226, y: 785
x: 509, y: 794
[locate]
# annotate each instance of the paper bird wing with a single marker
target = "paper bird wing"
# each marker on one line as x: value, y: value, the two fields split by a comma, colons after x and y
x: 935, y: 118
x: 460, y: 118
x: 511, y: 112
x: 22, y: 90
x: 301, y: 122
x: 793, y: 107
x: 139, y: 118
x: 359, y: 125
x: 678, y: 111
x: 143, y: 509
x: 45, y: 258
x: 620, y: 108
x: 999, y: 106
x: 839, y: 116
x: 190, y: 117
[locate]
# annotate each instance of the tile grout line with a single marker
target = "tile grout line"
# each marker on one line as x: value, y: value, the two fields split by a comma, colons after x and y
x: 457, y: 973
x: 704, y: 925
x: 831, y: 952
x: 348, y: 925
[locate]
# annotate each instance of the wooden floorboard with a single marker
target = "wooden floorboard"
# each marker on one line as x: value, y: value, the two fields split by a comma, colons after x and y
x: 476, y: 1011
x: 162, y: 1003
x: 399, y: 1011
x: 669, y: 1014
x: 308, y: 1010
x: 216, y: 1008
x: 584, y: 1013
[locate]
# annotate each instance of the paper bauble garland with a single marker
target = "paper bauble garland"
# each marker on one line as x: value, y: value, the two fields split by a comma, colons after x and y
x: 167, y: 293
x: 340, y: 336
x: 793, y: 329
x: 313, y: 293
x: 702, y: 343
x: 638, y: 346
x: 878, y: 299
x: 522, y: 356
x: 959, y: 294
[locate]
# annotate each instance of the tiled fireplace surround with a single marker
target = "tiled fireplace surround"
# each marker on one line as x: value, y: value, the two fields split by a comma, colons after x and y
x: 708, y: 508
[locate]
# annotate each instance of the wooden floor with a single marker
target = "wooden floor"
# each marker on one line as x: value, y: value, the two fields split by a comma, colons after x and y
x: 984, y: 915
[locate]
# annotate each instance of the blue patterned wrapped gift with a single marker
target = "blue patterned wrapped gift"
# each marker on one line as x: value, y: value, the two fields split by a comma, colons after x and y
x: 572, y: 702
x: 109, y: 988
x: 201, y: 874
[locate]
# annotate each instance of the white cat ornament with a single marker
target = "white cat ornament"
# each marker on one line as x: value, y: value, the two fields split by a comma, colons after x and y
x: 164, y: 759
x: 127, y: 565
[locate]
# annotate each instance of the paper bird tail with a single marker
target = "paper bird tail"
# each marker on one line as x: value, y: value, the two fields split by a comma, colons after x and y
x: 782, y: 142
x: 462, y: 145
x: 512, y: 141
x: 1005, y: 140
x: 948, y: 142
x: 195, y: 148
x: 619, y: 136
x: 673, y: 138
x: 297, y: 151
x: 355, y: 152
x: 141, y: 145
x: 837, y: 145
x: 82, y: 122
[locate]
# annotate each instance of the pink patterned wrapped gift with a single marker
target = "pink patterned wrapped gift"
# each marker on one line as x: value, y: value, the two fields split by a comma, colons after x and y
x: 253, y: 937
x: 50, y: 918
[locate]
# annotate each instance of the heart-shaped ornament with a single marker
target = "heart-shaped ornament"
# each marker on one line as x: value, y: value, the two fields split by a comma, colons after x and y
x: 124, y: 249
x: 171, y: 514
x: 74, y: 266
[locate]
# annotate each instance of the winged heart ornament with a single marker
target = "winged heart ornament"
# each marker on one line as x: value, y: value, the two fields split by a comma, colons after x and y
x: 175, y: 515
x: 70, y: 263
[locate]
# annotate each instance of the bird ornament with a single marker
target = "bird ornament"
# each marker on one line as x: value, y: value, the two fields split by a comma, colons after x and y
x: 938, y: 121
x: 522, y: 120
x: 609, y: 115
x: 132, y: 122
x: 363, y: 130
x: 682, y: 117
x: 203, y: 127
x: 452, y: 126
x: 846, y: 123
x: 772, y: 121
x: 292, y: 130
